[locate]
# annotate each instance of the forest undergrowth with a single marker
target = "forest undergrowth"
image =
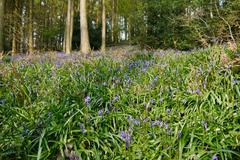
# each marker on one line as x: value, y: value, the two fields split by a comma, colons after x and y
x: 146, y: 105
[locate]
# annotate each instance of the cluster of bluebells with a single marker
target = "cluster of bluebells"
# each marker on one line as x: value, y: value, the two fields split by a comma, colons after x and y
x: 125, y: 136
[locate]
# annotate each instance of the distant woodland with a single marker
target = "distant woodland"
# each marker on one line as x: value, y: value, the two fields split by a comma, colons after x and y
x: 27, y: 26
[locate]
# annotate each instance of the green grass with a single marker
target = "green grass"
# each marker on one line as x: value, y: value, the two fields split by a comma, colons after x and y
x: 176, y: 106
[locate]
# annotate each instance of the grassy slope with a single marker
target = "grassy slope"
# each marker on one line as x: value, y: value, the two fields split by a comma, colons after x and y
x: 176, y: 106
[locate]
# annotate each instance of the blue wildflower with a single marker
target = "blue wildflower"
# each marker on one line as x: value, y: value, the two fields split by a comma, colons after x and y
x: 179, y: 134
x: 161, y: 100
x: 198, y: 91
x: 136, y: 122
x: 106, y: 110
x: 166, y: 125
x: 83, y: 128
x: 168, y: 111
x: 152, y: 100
x: 145, y: 120
x: 235, y: 81
x: 155, y: 123
x: 100, y: 112
x: 116, y: 98
x: 2, y: 101
x: 129, y: 118
x: 87, y: 99
x: 125, y: 136
x: 215, y: 157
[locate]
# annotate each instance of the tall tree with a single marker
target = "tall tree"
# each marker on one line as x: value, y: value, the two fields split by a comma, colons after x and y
x: 69, y: 28
x: 30, y: 29
x: 103, y: 47
x: 14, y: 27
x: 1, y: 24
x: 85, y: 46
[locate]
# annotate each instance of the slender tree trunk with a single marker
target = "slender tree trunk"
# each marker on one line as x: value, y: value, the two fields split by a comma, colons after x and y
x: 116, y: 27
x: 72, y: 23
x: 69, y: 28
x: 113, y: 21
x: 85, y: 46
x: 1, y: 24
x: 30, y: 29
x: 103, y: 47
x: 14, y: 31
x: 22, y: 28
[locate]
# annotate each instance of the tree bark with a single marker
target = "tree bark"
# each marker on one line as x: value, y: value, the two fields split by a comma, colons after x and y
x: 103, y: 47
x: 14, y: 31
x: 113, y: 21
x: 30, y: 29
x: 69, y: 28
x: 1, y: 24
x: 85, y: 46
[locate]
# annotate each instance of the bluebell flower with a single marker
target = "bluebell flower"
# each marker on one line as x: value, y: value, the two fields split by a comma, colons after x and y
x: 161, y: 124
x: 130, y: 66
x: 83, y: 128
x: 106, y: 110
x: 198, y: 91
x: 116, y: 98
x: 100, y: 112
x: 155, y: 123
x: 129, y: 118
x: 125, y: 136
x: 215, y: 157
x: 168, y: 111
x: 87, y: 99
x: 235, y: 81
x: 2, y: 101
x: 166, y: 125
x: 146, y: 120
x: 152, y: 100
x: 179, y: 134
x: 161, y: 100
x: 136, y: 122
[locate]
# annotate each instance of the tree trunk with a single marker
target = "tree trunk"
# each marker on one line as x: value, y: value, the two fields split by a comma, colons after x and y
x: 69, y: 28
x: 103, y: 47
x: 113, y: 21
x: 14, y: 31
x: 30, y: 29
x: 85, y: 46
x: 1, y: 24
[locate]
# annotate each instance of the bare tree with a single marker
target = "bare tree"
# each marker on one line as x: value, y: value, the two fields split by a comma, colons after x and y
x: 1, y: 24
x: 30, y: 28
x: 85, y: 46
x: 14, y: 27
x: 103, y: 47
x: 69, y: 28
